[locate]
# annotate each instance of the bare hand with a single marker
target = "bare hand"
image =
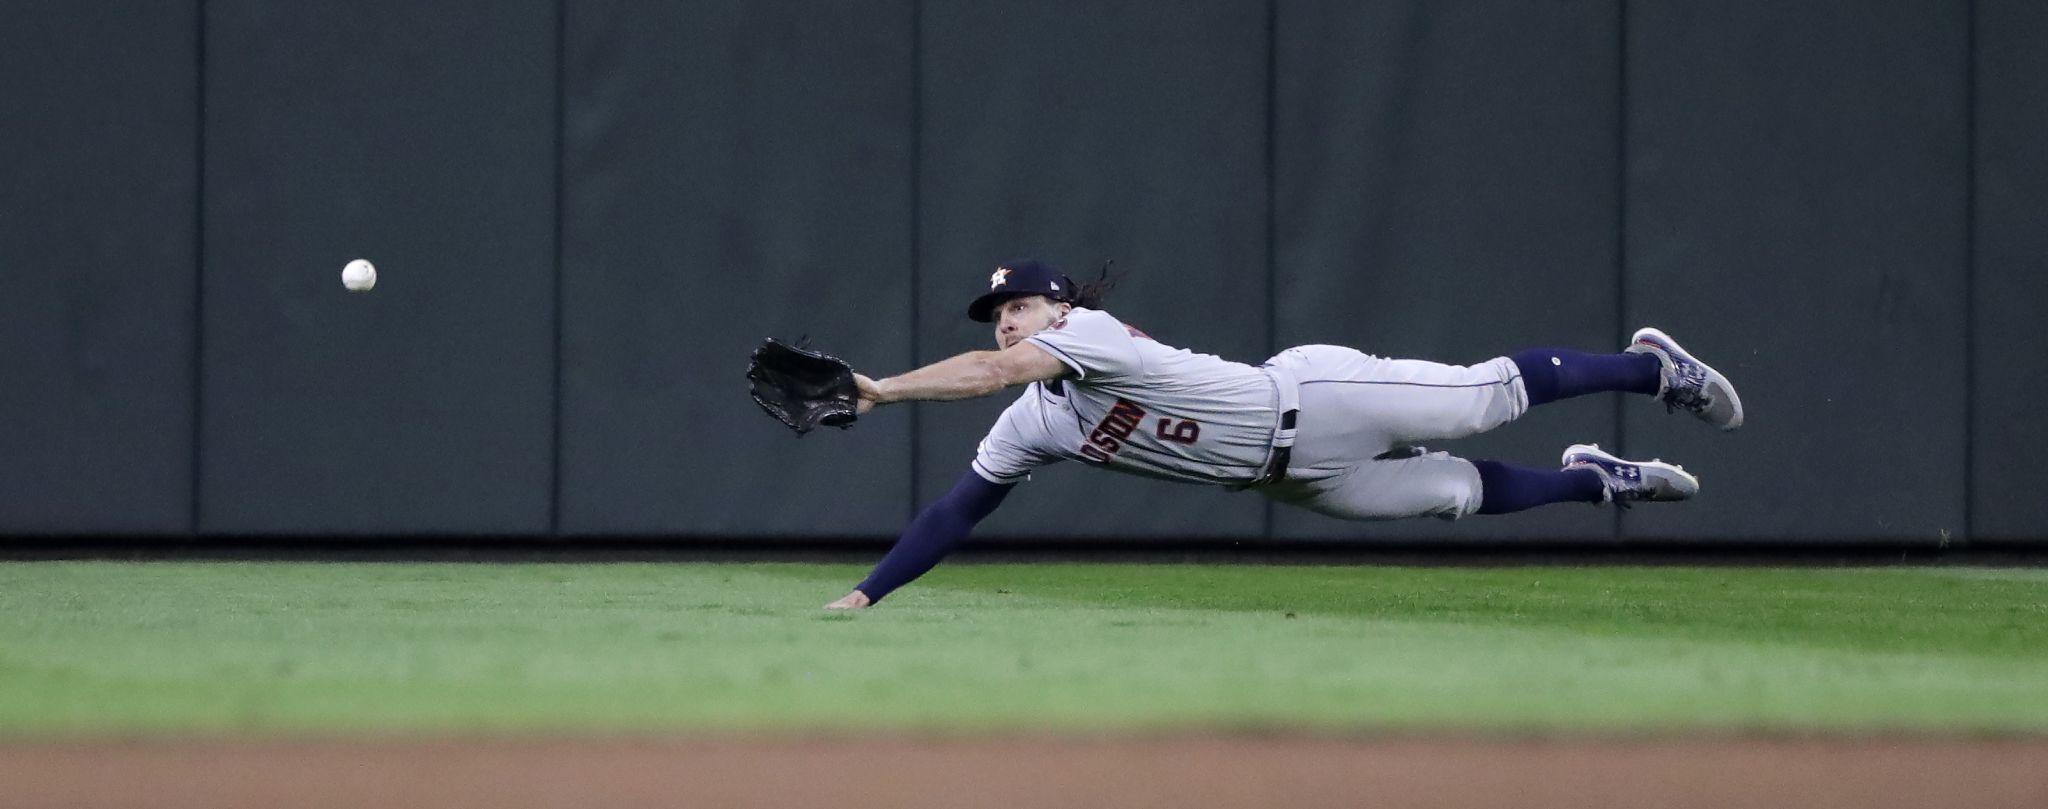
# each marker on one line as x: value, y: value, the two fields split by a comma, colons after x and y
x: 853, y: 601
x: 870, y: 395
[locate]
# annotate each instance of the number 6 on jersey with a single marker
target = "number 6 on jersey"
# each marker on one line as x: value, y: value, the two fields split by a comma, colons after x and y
x: 1183, y: 433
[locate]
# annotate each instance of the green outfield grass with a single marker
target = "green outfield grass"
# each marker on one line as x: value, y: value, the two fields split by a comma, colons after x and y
x: 144, y: 648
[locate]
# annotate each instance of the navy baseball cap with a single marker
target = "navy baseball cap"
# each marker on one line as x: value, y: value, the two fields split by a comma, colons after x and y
x: 1017, y: 278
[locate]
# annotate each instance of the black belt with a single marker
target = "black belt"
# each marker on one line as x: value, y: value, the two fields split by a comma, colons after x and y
x: 1276, y: 465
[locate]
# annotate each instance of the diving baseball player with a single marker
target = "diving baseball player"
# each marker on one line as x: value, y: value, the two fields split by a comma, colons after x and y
x: 1325, y: 428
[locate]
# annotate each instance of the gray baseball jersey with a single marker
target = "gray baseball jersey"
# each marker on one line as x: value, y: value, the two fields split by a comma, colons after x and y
x: 1135, y: 405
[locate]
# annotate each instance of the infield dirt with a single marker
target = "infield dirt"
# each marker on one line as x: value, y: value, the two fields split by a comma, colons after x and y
x: 1013, y: 773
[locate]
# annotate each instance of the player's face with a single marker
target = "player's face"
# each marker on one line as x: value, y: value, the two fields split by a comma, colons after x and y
x: 1019, y: 318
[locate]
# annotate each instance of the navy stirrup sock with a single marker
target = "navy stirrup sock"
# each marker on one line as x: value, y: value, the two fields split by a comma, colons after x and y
x: 1504, y: 489
x: 1550, y: 374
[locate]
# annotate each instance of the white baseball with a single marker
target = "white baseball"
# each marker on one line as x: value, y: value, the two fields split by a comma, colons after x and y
x: 359, y: 276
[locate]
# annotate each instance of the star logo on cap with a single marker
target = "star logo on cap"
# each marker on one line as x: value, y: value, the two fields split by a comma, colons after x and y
x: 1001, y: 275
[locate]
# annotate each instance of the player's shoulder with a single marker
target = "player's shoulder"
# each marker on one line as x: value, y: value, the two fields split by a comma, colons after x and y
x: 1085, y: 315
x: 1098, y: 321
x: 1096, y: 345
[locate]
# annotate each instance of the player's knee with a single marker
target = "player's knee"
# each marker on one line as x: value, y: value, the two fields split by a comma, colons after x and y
x: 1449, y: 488
x: 1460, y: 499
x: 1458, y: 490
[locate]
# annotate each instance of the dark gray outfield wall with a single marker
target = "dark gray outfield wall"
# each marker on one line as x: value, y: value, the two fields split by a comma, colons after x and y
x: 586, y: 212
x: 98, y: 263
x: 1797, y: 200
x: 2008, y: 365
x: 429, y: 147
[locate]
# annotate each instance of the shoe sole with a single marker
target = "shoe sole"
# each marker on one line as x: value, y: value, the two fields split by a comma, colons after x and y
x: 1663, y: 342
x: 1674, y: 470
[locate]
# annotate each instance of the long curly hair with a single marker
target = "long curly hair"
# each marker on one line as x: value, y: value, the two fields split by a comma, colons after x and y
x: 1091, y: 294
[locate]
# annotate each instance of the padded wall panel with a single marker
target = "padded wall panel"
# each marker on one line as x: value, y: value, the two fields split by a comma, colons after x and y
x: 422, y: 137
x: 1447, y: 191
x: 1796, y: 217
x: 2010, y: 346
x: 734, y: 170
x: 98, y: 181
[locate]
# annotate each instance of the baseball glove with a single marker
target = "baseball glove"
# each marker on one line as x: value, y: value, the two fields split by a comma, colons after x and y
x: 801, y: 387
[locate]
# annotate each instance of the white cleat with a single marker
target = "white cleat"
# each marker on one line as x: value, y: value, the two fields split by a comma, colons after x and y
x: 1633, y: 481
x: 1689, y: 384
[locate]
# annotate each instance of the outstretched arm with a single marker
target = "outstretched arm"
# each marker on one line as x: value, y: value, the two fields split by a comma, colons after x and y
x: 935, y: 533
x: 975, y: 373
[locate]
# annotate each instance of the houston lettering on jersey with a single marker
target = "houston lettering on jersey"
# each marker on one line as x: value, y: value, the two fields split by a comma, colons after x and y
x: 1109, y: 435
